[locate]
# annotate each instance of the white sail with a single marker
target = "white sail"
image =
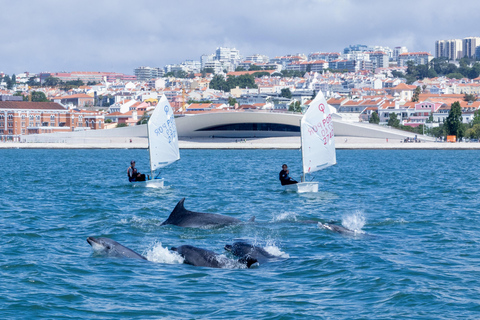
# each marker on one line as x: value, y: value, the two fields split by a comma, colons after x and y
x: 318, y: 144
x: 162, y: 136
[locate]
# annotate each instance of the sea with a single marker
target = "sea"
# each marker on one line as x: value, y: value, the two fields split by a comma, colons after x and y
x: 413, y: 253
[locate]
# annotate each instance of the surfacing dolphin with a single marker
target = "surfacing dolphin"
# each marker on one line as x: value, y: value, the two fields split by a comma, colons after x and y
x: 338, y: 229
x: 205, y: 258
x: 243, y: 250
x: 112, y: 248
x: 184, y: 218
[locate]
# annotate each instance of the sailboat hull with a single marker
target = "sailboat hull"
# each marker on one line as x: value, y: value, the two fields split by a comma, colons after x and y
x: 152, y: 183
x: 302, y: 187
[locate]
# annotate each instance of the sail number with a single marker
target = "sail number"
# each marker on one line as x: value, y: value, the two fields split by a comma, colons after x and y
x: 167, y: 128
x: 324, y: 128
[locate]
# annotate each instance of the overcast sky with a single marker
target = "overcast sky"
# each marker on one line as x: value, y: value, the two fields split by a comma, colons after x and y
x: 120, y: 35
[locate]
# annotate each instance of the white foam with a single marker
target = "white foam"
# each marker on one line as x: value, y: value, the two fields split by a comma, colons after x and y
x: 275, y: 251
x: 354, y: 222
x: 285, y: 216
x: 158, y: 253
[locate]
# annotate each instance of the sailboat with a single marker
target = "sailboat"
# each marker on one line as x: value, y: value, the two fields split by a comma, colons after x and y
x: 318, y: 143
x: 162, y: 142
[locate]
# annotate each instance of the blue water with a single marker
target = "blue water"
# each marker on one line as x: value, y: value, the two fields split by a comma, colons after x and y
x: 415, y: 253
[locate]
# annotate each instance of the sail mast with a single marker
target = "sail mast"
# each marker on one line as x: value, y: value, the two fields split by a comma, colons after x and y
x: 303, y: 155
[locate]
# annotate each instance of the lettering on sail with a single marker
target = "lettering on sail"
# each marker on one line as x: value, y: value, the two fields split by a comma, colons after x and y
x: 324, y: 128
x: 167, y: 128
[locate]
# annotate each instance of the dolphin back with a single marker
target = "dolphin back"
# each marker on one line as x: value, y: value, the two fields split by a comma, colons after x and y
x: 184, y: 218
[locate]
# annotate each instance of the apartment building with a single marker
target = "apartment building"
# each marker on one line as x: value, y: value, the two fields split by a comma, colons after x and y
x: 416, y: 57
x: 469, y: 46
x: 148, y: 73
x: 451, y: 49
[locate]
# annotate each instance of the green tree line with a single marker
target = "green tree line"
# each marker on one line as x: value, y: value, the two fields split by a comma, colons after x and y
x: 442, y: 67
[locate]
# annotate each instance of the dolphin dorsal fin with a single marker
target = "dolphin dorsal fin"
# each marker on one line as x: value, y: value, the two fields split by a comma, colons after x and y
x: 179, y: 208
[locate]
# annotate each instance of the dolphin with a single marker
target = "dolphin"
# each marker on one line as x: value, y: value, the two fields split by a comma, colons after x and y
x: 336, y: 228
x: 205, y: 258
x: 243, y: 250
x: 184, y: 218
x: 112, y: 248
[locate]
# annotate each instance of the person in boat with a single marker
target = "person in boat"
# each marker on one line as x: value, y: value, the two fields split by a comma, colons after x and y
x: 284, y: 176
x: 133, y: 174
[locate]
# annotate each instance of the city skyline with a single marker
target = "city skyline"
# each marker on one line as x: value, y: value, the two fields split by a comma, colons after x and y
x: 119, y: 36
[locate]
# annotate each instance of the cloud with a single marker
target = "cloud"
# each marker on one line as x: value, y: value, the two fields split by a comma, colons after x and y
x: 57, y: 35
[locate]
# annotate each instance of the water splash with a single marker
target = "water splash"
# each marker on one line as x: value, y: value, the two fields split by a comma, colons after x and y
x: 285, y: 216
x: 159, y: 254
x: 275, y: 251
x: 354, y: 222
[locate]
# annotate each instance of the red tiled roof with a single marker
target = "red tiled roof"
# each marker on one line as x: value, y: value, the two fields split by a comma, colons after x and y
x: 25, y: 105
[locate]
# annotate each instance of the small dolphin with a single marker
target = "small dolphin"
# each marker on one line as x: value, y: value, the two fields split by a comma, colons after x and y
x: 337, y: 228
x: 112, y: 248
x: 205, y: 258
x: 243, y: 250
x: 184, y: 218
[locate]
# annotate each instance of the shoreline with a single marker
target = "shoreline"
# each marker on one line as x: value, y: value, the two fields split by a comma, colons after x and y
x: 341, y: 143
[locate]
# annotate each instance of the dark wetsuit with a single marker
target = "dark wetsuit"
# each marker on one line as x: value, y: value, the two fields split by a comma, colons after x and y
x: 285, y: 179
x: 133, y: 175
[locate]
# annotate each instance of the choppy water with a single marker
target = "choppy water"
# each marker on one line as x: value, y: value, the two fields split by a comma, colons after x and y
x: 415, y: 253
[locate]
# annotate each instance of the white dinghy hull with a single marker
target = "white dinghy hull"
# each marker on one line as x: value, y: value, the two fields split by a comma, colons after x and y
x: 302, y: 187
x: 152, y: 183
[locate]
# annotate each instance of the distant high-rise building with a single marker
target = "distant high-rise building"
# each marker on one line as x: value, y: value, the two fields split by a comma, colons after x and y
x: 148, y: 73
x: 398, y: 51
x: 206, y: 58
x: 451, y: 49
x: 355, y: 48
x: 477, y: 52
x: 257, y: 58
x: 379, y: 59
x: 440, y: 49
x: 416, y: 57
x: 228, y: 57
x: 469, y: 46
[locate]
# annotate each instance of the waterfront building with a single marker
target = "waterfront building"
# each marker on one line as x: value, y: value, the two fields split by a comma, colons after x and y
x: 24, y: 118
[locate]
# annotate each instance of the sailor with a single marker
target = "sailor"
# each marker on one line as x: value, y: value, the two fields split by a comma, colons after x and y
x: 133, y: 174
x: 284, y: 176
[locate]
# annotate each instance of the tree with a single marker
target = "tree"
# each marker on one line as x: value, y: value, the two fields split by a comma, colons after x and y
x: 286, y: 93
x: 476, y: 117
x: 469, y: 97
x: 254, y: 67
x: 374, y: 118
x: 295, y: 107
x: 38, y: 96
x: 430, y: 118
x: 453, y: 123
x: 398, y: 74
x: 232, y: 101
x: 393, y: 121
x: 218, y: 83
x: 51, y: 81
x: 416, y: 94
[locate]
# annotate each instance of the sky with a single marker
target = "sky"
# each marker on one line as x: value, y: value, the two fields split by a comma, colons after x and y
x: 121, y: 35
